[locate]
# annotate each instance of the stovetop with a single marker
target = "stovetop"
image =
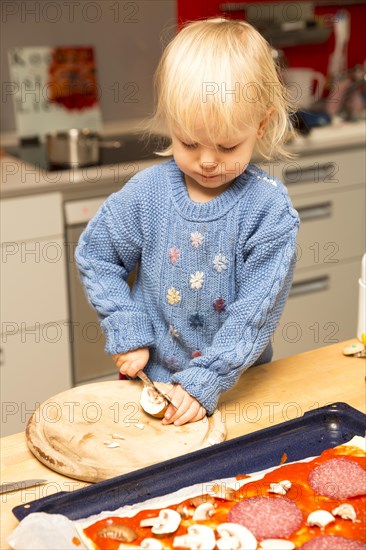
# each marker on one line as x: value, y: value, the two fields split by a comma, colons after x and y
x: 132, y: 148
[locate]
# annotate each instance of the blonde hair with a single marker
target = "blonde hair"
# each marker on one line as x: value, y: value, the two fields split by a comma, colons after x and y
x: 222, y: 72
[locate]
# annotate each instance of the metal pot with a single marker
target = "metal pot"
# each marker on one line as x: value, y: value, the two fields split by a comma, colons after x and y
x: 75, y: 147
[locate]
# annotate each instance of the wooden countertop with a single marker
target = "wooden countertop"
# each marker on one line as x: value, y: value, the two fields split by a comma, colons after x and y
x: 265, y: 395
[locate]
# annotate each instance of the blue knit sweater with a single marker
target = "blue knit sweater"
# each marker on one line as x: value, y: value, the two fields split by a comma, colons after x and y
x: 213, y: 277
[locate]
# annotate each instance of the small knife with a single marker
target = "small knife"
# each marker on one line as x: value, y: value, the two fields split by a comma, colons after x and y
x: 146, y: 380
x: 9, y: 487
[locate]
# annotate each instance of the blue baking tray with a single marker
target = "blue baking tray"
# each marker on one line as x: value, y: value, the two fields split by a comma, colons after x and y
x: 302, y: 437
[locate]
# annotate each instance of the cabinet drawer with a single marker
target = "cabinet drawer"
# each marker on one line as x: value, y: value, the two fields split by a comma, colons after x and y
x: 31, y: 217
x: 332, y: 227
x: 34, y: 366
x: 320, y: 173
x: 33, y: 283
x: 321, y: 310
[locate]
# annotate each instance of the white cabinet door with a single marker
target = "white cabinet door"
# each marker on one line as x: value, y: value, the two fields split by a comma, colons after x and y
x: 332, y: 227
x: 35, y: 217
x: 33, y: 283
x: 324, y: 173
x: 322, y: 309
x: 35, y: 365
x: 35, y: 344
x: 33, y: 261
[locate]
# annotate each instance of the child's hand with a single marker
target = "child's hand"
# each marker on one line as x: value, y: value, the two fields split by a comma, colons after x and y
x: 131, y: 362
x: 188, y: 408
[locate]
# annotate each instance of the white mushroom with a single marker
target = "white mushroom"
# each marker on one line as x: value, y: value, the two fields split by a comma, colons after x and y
x: 139, y: 425
x: 118, y: 436
x: 199, y: 537
x: 345, y: 511
x: 112, y: 445
x: 167, y: 522
x: 185, y: 511
x: 280, y: 488
x: 276, y: 544
x: 120, y: 533
x: 151, y: 544
x: 220, y: 490
x: 234, y: 537
x: 204, y: 511
x: 320, y: 518
x: 153, y: 403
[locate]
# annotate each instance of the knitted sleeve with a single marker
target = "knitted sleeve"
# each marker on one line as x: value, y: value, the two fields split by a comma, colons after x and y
x: 263, y: 290
x: 108, y: 250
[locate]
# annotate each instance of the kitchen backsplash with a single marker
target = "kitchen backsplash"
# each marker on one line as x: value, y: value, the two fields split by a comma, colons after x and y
x: 126, y: 37
x: 65, y: 79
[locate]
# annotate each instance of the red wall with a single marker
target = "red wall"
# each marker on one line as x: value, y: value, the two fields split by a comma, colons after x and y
x: 309, y: 55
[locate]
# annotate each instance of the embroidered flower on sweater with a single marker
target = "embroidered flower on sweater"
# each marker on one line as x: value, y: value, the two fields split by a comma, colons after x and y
x: 219, y: 305
x: 196, y: 320
x: 173, y: 296
x: 173, y: 331
x: 196, y: 353
x: 220, y: 263
x: 174, y: 254
x: 196, y: 239
x: 196, y: 280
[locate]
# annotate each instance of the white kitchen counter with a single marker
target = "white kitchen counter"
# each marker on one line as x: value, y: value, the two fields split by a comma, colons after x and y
x: 19, y: 178
x: 338, y: 135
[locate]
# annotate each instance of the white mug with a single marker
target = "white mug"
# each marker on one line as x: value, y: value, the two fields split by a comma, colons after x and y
x: 300, y: 86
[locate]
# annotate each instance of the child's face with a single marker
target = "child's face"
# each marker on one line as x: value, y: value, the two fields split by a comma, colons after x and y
x: 213, y: 166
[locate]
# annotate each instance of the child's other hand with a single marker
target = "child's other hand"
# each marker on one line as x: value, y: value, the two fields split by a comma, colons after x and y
x: 188, y: 408
x: 131, y: 362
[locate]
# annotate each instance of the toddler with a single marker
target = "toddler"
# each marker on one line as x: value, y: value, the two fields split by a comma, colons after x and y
x: 213, y: 236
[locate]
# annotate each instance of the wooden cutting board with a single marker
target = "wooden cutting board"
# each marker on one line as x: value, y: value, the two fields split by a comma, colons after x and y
x: 69, y: 433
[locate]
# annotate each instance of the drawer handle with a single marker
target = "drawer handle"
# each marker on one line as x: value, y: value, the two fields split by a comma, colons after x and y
x: 309, y: 286
x: 311, y: 174
x: 315, y: 212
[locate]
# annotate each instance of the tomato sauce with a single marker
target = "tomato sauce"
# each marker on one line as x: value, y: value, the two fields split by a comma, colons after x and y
x: 300, y: 492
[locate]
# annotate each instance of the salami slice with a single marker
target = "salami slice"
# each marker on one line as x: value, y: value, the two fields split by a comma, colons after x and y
x: 267, y: 517
x: 338, y: 478
x: 331, y: 542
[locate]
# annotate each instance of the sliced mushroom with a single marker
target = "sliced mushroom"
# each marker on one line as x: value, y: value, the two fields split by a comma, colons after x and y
x: 112, y: 445
x: 204, y: 511
x: 221, y: 491
x: 320, y: 518
x: 165, y: 523
x: 151, y: 544
x: 280, y: 488
x: 234, y: 537
x: 185, y: 511
x: 153, y: 403
x: 199, y: 537
x: 345, y: 511
x: 122, y: 533
x: 200, y: 499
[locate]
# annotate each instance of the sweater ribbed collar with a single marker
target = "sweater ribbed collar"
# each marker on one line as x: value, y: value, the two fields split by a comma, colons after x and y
x: 202, y: 211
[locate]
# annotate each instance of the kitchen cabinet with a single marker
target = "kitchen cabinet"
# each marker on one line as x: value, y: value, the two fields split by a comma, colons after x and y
x: 321, y: 309
x: 328, y: 190
x: 35, y: 355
